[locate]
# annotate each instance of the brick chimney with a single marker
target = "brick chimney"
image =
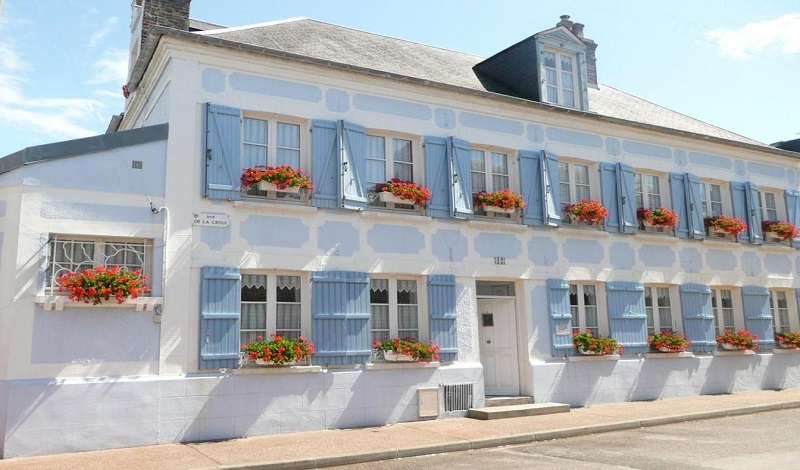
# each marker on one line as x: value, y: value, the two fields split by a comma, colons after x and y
x: 591, y: 47
x: 168, y: 13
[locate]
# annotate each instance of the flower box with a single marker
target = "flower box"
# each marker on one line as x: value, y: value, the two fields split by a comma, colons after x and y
x: 772, y: 237
x: 278, y: 350
x: 267, y: 186
x: 396, y: 357
x: 499, y: 210
x: 586, y: 344
x: 778, y: 230
x: 389, y: 197
x: 729, y: 346
x: 738, y: 341
x: 588, y: 210
x: 660, y: 217
x: 668, y: 342
x: 788, y: 339
x: 725, y: 225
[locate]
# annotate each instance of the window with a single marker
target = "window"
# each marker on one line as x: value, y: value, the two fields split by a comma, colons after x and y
x: 769, y: 206
x: 779, y: 306
x: 573, y: 183
x: 388, y: 158
x: 722, y: 306
x: 583, y: 307
x: 490, y: 172
x: 712, y: 200
x: 559, y: 78
x: 260, y: 149
x: 74, y: 254
x: 648, y: 190
x: 271, y: 304
x: 658, y: 306
x: 394, y: 308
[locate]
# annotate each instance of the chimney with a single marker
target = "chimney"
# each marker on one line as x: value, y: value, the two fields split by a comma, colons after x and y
x: 168, y: 13
x: 591, y: 47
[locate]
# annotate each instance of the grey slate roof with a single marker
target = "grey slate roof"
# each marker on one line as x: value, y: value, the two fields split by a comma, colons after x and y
x: 374, y: 52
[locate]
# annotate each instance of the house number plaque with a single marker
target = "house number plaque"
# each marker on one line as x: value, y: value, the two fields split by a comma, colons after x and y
x: 500, y: 260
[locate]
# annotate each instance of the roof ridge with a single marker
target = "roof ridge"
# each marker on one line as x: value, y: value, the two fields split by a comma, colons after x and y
x: 251, y: 26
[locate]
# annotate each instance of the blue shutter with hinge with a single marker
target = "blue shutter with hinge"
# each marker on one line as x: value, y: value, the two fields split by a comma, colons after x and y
x: 758, y: 316
x: 739, y: 199
x: 754, y: 214
x: 552, y: 194
x: 340, y: 309
x: 437, y: 176
x: 698, y: 318
x: 325, y: 164
x: 694, y: 196
x: 793, y: 211
x: 626, y: 315
x: 626, y: 197
x: 677, y: 187
x: 560, y: 317
x: 461, y: 192
x: 531, y: 183
x: 220, y: 305
x: 223, y: 168
x: 609, y: 196
x: 442, y: 313
x: 354, y: 166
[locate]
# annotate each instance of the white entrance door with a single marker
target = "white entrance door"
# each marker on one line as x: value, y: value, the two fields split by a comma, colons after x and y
x: 498, y: 336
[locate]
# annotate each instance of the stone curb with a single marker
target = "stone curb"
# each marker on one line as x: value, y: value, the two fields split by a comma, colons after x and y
x: 513, y: 439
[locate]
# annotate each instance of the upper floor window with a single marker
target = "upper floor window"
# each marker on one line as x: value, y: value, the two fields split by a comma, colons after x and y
x: 658, y: 307
x: 560, y: 78
x: 388, y: 158
x: 713, y: 202
x: 779, y: 306
x: 271, y: 303
x: 772, y: 205
x: 648, y: 190
x: 256, y: 146
x: 490, y: 172
x: 583, y: 307
x: 74, y: 254
x: 722, y: 306
x: 394, y: 308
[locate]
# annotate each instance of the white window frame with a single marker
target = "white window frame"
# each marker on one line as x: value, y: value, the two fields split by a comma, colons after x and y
x: 417, y: 165
x: 271, y: 303
x: 61, y: 258
x: 593, y: 183
x: 735, y: 310
x: 271, y: 147
x: 422, y: 324
x: 488, y: 175
x: 578, y: 311
x: 780, y: 312
x: 559, y: 85
x: 654, y: 311
x: 779, y: 208
x: 646, y: 195
x: 723, y: 206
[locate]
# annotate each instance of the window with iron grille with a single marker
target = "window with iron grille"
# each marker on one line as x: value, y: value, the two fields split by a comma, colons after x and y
x: 75, y: 254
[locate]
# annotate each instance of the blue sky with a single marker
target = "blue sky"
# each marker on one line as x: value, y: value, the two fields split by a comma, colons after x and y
x: 731, y: 63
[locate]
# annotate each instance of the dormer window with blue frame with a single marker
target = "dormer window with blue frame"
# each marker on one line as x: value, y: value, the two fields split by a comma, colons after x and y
x: 559, y: 78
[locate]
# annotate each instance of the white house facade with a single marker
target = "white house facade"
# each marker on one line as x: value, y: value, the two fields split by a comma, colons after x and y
x: 500, y: 293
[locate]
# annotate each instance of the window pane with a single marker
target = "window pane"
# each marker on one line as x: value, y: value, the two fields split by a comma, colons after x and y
x: 255, y: 131
x: 552, y: 94
x: 566, y: 63
x: 402, y: 150
x: 549, y: 59
x: 581, y: 173
x: 499, y: 163
x: 477, y: 160
x: 376, y: 160
x: 288, y: 152
x: 589, y: 295
x: 569, y: 99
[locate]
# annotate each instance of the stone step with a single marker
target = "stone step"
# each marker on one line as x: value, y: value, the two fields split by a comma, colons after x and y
x: 507, y: 401
x: 517, y: 411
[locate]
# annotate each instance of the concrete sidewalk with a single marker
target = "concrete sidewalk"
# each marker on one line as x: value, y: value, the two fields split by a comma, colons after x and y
x: 340, y: 447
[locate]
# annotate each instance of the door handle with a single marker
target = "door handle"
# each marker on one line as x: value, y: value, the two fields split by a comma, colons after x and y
x: 488, y: 341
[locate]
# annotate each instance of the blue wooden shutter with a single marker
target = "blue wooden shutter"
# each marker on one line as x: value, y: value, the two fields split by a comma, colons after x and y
x: 560, y: 317
x: 220, y: 305
x: 354, y: 166
x: 627, y: 318
x: 531, y: 183
x: 437, y: 176
x: 223, y: 172
x: 340, y: 308
x: 609, y: 196
x: 325, y: 164
x: 698, y: 318
x: 758, y: 316
x: 626, y: 195
x: 793, y: 211
x: 694, y: 196
x: 442, y: 313
x: 552, y: 193
x: 461, y: 193
x: 754, y: 214
x: 680, y: 204
x: 739, y: 199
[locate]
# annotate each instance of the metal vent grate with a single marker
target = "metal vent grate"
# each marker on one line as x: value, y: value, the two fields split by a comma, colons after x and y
x: 457, y: 397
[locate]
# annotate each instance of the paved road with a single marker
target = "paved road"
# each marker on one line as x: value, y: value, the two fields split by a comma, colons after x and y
x: 761, y: 441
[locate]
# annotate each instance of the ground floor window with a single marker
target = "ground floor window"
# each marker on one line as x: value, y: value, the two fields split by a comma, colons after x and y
x: 779, y: 306
x: 271, y: 303
x: 722, y: 305
x: 74, y: 254
x: 658, y: 306
x: 583, y: 307
x: 394, y: 308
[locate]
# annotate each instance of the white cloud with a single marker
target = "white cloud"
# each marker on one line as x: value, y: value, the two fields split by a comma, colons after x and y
x: 10, y: 61
x: 112, y: 67
x: 101, y: 33
x: 752, y: 38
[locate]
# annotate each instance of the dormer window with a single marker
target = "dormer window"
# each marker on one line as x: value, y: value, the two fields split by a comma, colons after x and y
x: 559, y: 78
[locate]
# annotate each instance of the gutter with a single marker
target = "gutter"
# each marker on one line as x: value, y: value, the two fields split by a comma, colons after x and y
x: 155, y: 35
